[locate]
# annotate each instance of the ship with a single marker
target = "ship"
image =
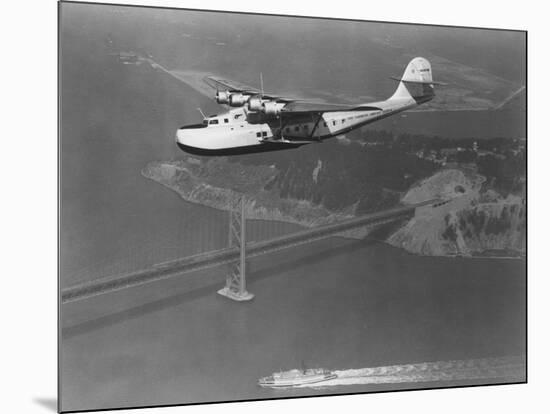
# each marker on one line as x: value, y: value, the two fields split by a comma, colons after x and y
x: 296, y: 377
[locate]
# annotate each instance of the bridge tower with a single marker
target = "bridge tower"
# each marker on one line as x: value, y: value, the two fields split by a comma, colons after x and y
x: 235, y: 282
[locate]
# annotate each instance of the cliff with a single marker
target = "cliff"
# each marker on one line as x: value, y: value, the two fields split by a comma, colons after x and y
x: 220, y: 184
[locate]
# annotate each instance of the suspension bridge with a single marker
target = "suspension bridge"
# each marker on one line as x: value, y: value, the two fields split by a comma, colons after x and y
x: 237, y: 252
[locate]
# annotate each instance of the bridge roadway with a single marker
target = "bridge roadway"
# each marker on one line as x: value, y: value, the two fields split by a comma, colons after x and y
x: 231, y: 254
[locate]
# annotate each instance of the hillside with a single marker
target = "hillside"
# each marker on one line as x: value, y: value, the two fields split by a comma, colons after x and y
x: 482, y: 184
x: 474, y: 221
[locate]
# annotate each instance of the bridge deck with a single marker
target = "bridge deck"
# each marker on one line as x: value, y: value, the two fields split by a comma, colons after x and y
x: 229, y: 255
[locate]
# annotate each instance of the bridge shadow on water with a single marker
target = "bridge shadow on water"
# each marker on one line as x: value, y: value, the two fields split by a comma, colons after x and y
x: 210, y: 289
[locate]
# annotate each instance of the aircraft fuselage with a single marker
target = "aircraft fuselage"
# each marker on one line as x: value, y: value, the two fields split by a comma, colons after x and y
x: 239, y: 131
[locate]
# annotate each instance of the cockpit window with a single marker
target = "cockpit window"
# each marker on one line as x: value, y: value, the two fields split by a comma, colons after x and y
x: 237, y: 116
x: 213, y: 122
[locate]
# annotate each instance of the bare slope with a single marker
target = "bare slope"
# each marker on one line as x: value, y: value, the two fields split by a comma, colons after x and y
x: 472, y: 221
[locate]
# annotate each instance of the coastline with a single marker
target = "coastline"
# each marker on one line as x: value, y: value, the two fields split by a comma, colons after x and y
x: 197, y: 184
x: 184, y: 178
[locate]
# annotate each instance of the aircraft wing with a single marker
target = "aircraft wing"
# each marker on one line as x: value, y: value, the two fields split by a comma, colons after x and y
x: 229, y: 85
x: 234, y: 86
x: 296, y: 107
x: 293, y: 106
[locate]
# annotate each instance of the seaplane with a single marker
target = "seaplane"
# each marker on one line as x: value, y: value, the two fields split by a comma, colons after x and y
x: 258, y: 121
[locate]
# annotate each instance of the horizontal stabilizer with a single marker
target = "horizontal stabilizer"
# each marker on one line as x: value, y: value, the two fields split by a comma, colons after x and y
x: 395, y: 78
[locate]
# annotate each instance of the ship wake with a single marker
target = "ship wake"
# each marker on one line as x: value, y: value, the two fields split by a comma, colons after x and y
x: 504, y: 369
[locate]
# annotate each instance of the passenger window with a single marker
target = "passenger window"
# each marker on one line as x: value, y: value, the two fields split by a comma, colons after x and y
x: 306, y: 127
x: 214, y: 122
x: 333, y: 122
x: 297, y: 128
x: 258, y: 134
x: 325, y: 124
x: 287, y: 129
x: 226, y: 120
x: 264, y: 134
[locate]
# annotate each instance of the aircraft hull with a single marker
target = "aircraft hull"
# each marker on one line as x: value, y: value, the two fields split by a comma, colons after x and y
x: 247, y: 138
x: 249, y: 149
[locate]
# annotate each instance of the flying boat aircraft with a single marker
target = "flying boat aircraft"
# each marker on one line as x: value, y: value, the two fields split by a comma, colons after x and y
x: 258, y: 121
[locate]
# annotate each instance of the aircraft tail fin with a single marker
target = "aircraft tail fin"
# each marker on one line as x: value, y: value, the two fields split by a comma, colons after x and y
x: 416, y: 82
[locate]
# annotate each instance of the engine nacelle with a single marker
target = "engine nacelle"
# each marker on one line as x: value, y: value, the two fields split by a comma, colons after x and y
x: 255, y: 104
x: 237, y: 99
x: 222, y: 97
x: 271, y: 108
